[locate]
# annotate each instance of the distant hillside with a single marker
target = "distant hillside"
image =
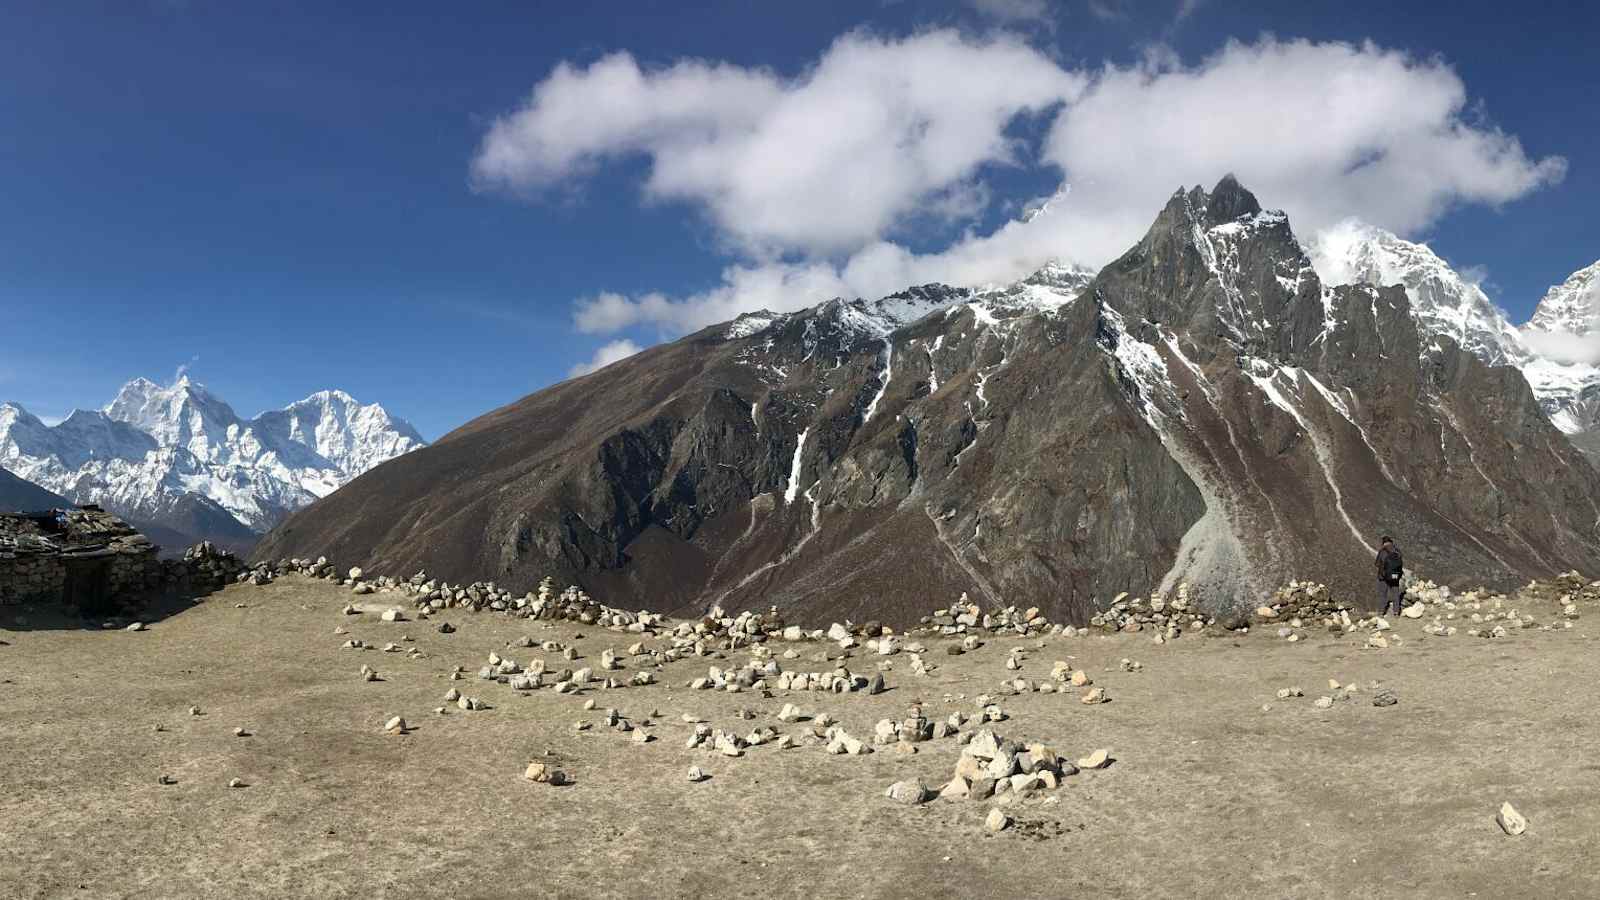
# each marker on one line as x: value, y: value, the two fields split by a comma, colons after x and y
x: 19, y: 495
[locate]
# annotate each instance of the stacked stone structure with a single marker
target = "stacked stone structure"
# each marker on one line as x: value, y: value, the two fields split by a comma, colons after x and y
x: 88, y: 560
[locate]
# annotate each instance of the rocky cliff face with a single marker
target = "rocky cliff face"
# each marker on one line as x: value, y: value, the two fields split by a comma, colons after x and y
x: 1202, y: 411
x: 1557, y: 350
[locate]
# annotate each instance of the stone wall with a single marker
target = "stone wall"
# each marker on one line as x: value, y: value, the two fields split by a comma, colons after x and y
x: 38, y: 556
x: 30, y: 578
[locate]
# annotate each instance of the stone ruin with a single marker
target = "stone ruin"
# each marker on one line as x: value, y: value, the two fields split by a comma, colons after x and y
x: 90, y: 562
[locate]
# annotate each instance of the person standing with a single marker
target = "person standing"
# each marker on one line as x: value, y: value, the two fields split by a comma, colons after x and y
x: 1390, y: 567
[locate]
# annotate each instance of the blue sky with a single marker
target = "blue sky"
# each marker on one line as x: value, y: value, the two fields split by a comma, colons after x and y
x: 286, y: 197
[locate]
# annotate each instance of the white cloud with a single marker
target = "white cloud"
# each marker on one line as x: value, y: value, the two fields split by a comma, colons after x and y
x: 1564, y: 347
x: 1324, y: 131
x: 807, y: 179
x: 1024, y: 12
x: 818, y: 164
x: 615, y: 351
x: 777, y: 287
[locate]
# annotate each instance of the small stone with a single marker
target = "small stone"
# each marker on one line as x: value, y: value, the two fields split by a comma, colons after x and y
x: 911, y: 792
x: 1096, y: 760
x: 166, y: 779
x: 1510, y: 821
x: 452, y: 695
x: 393, y: 615
x: 194, y: 710
x: 697, y: 774
x: 1385, y: 697
x: 240, y: 732
x: 997, y: 821
x: 136, y: 626
x: 958, y: 788
x: 1323, y: 703
x: 395, y: 725
x: 1093, y: 695
x: 236, y: 782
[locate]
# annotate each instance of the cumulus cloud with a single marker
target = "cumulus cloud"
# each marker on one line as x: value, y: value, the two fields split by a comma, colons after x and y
x: 1325, y: 131
x: 809, y: 179
x: 615, y: 351
x: 817, y: 164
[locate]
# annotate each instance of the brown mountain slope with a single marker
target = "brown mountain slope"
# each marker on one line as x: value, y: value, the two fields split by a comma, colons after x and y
x: 1204, y: 411
x: 20, y: 495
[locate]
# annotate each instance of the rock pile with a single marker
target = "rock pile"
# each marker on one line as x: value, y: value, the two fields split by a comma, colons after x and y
x: 1306, y: 601
x: 991, y: 765
x: 1168, y: 619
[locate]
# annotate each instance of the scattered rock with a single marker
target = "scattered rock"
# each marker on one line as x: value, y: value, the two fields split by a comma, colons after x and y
x: 1510, y: 821
x: 911, y: 792
x: 697, y: 774
x: 1385, y: 697
x: 997, y: 820
x: 1096, y: 760
x: 541, y: 773
x: 396, y: 725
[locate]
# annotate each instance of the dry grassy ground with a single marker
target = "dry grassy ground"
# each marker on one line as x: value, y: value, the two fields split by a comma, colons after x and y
x: 1210, y: 795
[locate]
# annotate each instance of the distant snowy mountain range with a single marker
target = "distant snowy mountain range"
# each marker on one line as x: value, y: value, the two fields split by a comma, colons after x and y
x: 1557, y: 350
x: 179, y: 457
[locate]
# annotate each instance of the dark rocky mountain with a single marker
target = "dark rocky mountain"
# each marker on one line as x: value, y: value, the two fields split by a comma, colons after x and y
x: 20, y: 495
x: 1202, y: 411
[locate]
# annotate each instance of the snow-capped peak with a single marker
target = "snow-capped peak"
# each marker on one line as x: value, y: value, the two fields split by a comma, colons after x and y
x: 1442, y: 301
x: 1571, y: 307
x: 155, y: 443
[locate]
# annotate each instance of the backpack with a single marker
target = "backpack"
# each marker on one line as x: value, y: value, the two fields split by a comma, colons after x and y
x: 1393, y: 566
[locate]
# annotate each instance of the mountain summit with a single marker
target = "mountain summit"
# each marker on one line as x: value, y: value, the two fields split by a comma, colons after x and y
x: 1202, y: 411
x: 179, y: 457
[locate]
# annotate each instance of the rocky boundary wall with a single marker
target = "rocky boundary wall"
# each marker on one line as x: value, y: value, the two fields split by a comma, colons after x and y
x: 134, y: 575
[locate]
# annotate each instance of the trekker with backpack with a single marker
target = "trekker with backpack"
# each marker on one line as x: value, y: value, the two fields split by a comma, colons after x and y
x: 1390, y: 568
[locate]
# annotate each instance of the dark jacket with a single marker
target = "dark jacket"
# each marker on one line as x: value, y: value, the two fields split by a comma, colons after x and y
x: 1382, y: 562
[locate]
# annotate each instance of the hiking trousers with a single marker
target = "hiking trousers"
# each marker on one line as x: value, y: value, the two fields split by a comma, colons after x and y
x: 1389, y: 595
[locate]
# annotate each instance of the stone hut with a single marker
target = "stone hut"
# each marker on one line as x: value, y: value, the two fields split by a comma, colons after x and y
x: 83, y: 559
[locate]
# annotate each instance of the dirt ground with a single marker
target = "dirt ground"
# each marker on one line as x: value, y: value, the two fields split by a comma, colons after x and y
x: 1209, y: 794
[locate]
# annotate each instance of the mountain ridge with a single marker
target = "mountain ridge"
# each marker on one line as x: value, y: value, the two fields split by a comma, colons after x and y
x: 1203, y: 411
